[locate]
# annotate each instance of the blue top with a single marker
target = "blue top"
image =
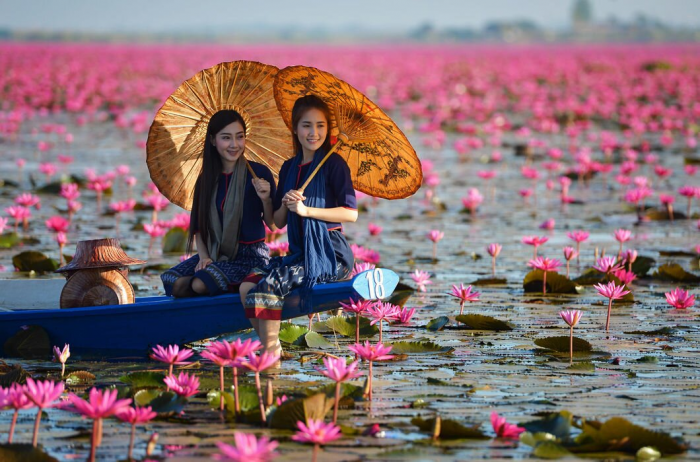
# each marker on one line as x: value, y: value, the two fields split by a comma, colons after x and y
x: 339, y: 189
x: 252, y: 224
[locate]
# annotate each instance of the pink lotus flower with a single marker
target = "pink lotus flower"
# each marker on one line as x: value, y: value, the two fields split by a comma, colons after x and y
x: 317, y: 432
x: 578, y: 237
x: 358, y: 268
x: 258, y: 363
x: 100, y: 405
x: 42, y: 393
x: 622, y: 236
x: 607, y: 265
x: 404, y: 315
x: 472, y: 201
x: 235, y: 352
x: 172, y: 355
x: 464, y: 294
x: 213, y: 354
x: 3, y: 224
x: 374, y: 230
x: 544, y: 264
x: 548, y: 224
x: 185, y: 385
x: 569, y: 254
x: 158, y: 202
x: 278, y: 248
x: 247, y: 449
x: 503, y: 429
x: 57, y: 224
x: 435, y: 236
x: 48, y: 169
x: 339, y: 372
x: 626, y: 277
x: 534, y: 241
x: 380, y: 311
x: 19, y: 214
x: 680, y: 299
x: 612, y: 292
x: 61, y: 356
x: 494, y: 250
x: 371, y: 353
x: 135, y: 416
x: 364, y: 254
x: 571, y: 317
x: 28, y: 200
x: 15, y: 398
x: 69, y: 191
x: 422, y: 279
x: 486, y: 174
x: 360, y: 307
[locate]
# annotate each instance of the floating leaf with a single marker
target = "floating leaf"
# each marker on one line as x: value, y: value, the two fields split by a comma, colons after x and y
x: 481, y: 322
x: 663, y: 215
x: 346, y: 390
x: 247, y: 398
x: 437, y: 324
x: 31, y: 260
x: 586, y: 366
x: 401, y: 294
x: 144, y: 379
x: 561, y: 344
x: 30, y: 343
x: 675, y: 273
x: 589, y: 277
x: 533, y: 439
x: 555, y: 423
x: 80, y: 378
x: 293, y: 334
x: 556, y: 283
x: 490, y: 282
x: 663, y: 331
x: 23, y: 453
x: 618, y: 434
x: 145, y: 396
x: 175, y: 241
x: 9, y: 240
x: 449, y: 429
x: 15, y: 375
x: 642, y: 265
x: 345, y: 326
x: 290, y: 412
x: 168, y: 402
x: 418, y: 348
x: 550, y: 450
x: 314, y: 340
x: 648, y: 359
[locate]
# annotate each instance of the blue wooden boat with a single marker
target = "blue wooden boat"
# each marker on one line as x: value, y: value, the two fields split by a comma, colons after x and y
x: 132, y: 330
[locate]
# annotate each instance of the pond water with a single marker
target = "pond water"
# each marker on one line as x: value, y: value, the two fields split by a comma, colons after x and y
x: 484, y: 372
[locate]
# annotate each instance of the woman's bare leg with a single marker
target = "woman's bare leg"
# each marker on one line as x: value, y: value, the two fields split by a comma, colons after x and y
x: 182, y: 288
x: 243, y: 290
x: 199, y: 287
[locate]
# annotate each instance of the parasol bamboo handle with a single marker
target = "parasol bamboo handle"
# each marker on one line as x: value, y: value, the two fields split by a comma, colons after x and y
x: 320, y: 164
x: 250, y: 169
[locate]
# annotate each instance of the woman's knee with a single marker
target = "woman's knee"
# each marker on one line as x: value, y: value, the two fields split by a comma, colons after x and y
x: 244, y: 289
x: 199, y: 287
x: 181, y: 287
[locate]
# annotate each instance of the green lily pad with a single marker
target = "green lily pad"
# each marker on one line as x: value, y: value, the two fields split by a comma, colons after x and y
x: 293, y: 334
x: 31, y: 260
x: 675, y: 273
x: 533, y: 439
x: 167, y: 402
x: 561, y: 344
x: 9, y: 240
x: 662, y: 215
x: 550, y: 450
x: 554, y: 423
x: 30, y: 343
x: 585, y: 366
x: 490, y: 282
x: 175, y: 241
x: 16, y: 375
x: 642, y: 265
x: 481, y: 322
x: 291, y: 411
x: 663, y: 331
x: 418, y: 348
x: 346, y: 390
x: 345, y: 326
x: 247, y: 398
x: 436, y: 324
x: 590, y: 276
x: 314, y: 340
x: 144, y: 379
x: 401, y: 294
x: 648, y: 360
x: 618, y: 434
x: 449, y: 429
x: 5, y: 183
x: 145, y: 396
x: 80, y: 378
x: 556, y: 283
x: 23, y: 453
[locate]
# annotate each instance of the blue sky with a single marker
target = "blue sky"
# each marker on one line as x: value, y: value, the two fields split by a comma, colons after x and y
x: 389, y: 15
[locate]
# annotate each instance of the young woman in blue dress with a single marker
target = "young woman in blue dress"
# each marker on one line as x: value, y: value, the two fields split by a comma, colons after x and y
x: 319, y: 251
x: 229, y: 211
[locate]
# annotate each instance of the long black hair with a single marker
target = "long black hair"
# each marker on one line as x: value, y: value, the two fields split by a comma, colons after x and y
x: 211, y: 169
x: 302, y: 105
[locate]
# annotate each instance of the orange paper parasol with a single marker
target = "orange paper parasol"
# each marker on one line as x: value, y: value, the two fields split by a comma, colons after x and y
x: 177, y: 135
x: 382, y: 161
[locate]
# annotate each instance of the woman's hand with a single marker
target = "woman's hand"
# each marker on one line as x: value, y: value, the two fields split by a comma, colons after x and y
x: 292, y: 196
x: 262, y: 188
x: 299, y: 208
x: 203, y: 263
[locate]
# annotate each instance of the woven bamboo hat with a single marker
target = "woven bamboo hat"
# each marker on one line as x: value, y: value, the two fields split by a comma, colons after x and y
x: 99, y: 253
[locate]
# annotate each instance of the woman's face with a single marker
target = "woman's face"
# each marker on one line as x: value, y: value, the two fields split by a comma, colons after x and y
x: 312, y: 130
x: 230, y: 143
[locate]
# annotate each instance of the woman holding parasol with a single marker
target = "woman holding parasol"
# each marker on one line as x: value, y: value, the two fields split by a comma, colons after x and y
x: 319, y: 251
